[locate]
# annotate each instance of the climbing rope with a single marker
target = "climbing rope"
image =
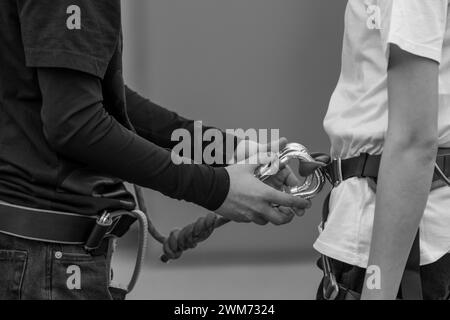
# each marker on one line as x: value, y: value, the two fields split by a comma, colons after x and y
x: 142, y: 247
x: 184, y: 239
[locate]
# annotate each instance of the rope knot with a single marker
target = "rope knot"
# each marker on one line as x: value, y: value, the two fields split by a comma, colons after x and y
x: 190, y: 236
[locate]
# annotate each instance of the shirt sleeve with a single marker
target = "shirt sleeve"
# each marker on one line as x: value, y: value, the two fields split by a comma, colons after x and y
x: 416, y: 26
x: 78, y: 34
x: 156, y: 124
x: 77, y: 126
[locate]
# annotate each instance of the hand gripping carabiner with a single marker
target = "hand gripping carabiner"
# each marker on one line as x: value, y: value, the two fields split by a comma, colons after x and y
x: 188, y: 237
x: 313, y: 183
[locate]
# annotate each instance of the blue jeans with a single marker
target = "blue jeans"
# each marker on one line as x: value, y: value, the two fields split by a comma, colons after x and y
x: 37, y: 270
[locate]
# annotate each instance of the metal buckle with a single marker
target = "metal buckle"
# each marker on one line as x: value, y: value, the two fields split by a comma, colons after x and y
x: 100, y: 230
x: 338, y: 174
x: 330, y: 285
x: 441, y: 174
x: 105, y: 219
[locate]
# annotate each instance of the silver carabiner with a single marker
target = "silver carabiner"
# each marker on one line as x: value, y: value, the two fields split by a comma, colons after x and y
x: 313, y: 183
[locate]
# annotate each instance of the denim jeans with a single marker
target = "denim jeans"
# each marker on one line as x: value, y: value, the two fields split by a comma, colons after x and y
x: 37, y: 270
x: 435, y: 278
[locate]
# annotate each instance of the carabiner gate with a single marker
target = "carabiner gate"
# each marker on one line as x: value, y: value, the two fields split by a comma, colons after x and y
x: 313, y: 183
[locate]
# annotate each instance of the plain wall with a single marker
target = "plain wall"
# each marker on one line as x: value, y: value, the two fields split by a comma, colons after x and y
x: 238, y: 64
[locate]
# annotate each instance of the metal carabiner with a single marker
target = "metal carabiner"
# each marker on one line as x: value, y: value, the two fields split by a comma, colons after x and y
x: 313, y: 183
x: 330, y: 285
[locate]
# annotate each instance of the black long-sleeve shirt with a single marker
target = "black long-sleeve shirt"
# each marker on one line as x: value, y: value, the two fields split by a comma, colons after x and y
x: 66, y: 139
x: 77, y: 126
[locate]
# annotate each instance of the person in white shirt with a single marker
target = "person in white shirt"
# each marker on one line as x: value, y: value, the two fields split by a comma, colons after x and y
x: 392, y: 98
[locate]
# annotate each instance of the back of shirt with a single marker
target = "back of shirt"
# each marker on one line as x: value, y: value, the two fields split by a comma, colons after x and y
x: 82, y: 35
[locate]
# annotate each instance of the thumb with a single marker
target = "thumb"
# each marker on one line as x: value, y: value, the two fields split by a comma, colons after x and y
x: 277, y: 145
x: 286, y: 200
x: 306, y: 167
x: 268, y: 159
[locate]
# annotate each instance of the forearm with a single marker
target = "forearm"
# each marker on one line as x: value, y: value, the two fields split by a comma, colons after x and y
x: 153, y: 122
x: 157, y: 124
x: 403, y: 188
x: 78, y: 127
x: 406, y: 170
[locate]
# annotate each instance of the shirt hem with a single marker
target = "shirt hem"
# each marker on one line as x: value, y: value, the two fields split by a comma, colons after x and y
x: 415, y: 48
x: 41, y: 58
x: 355, y: 259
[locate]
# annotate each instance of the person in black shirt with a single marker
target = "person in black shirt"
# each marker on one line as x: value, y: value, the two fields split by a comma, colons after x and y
x: 71, y: 132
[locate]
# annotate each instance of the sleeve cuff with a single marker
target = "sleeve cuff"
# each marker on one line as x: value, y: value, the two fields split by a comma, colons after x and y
x: 220, y: 189
x: 39, y: 58
x: 416, y: 48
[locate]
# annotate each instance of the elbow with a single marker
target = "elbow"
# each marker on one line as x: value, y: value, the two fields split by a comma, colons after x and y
x: 421, y: 145
x: 56, y: 139
x: 54, y: 126
x: 58, y: 132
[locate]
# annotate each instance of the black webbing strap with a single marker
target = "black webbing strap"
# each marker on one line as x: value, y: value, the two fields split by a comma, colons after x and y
x: 58, y: 227
x: 367, y: 166
x: 411, y: 285
x: 363, y: 166
x: 43, y: 225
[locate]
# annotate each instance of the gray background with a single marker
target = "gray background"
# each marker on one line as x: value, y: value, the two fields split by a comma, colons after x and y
x: 235, y: 64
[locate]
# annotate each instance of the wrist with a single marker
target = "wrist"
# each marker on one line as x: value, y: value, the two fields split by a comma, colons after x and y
x: 220, y: 187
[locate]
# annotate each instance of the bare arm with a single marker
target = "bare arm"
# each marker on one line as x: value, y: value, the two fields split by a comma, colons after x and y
x: 406, y: 168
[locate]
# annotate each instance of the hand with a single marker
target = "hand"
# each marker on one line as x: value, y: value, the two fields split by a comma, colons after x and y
x: 285, y: 178
x: 308, y: 168
x: 248, y: 148
x: 250, y: 200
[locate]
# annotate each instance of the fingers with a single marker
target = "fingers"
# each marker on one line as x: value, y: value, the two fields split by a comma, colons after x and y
x: 291, y: 180
x: 286, y: 200
x: 284, y: 179
x: 261, y: 159
x: 277, y: 146
x: 297, y: 212
x: 308, y: 167
x: 277, y: 216
x: 248, y: 148
x: 321, y: 160
x: 321, y: 157
x: 258, y: 219
x: 245, y: 149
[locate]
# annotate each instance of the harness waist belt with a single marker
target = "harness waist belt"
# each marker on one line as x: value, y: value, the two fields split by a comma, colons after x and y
x: 367, y: 166
x: 45, y: 225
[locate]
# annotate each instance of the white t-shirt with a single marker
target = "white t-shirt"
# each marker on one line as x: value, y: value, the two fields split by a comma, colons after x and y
x: 357, y: 118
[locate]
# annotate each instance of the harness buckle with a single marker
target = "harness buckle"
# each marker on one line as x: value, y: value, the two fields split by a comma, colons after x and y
x: 101, y: 229
x: 330, y: 285
x: 441, y: 174
x: 338, y: 172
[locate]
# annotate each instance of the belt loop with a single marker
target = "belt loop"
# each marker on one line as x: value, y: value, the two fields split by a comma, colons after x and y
x: 338, y: 172
x: 441, y: 174
x: 365, y: 157
x: 101, y: 228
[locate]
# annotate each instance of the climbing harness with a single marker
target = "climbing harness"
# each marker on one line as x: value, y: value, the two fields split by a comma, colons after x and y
x: 367, y: 166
